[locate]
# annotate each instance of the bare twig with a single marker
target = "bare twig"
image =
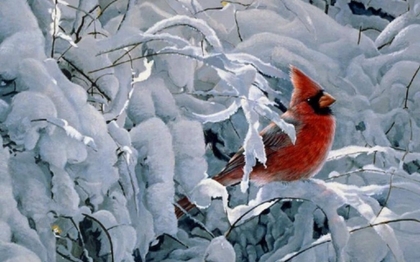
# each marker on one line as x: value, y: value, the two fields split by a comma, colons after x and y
x: 389, y: 129
x: 297, y: 16
x: 274, y: 199
x: 360, y: 35
x: 79, y: 70
x: 385, y: 44
x: 93, y: 83
x: 106, y: 233
x: 79, y: 29
x: 387, y: 195
x: 127, y: 52
x: 408, y: 87
x: 79, y: 234
x: 66, y: 257
x: 186, y: 25
x: 130, y: 3
x: 397, y: 220
x: 195, y: 220
x: 132, y: 47
x: 352, y: 231
x: 371, y: 171
x: 237, y: 27
x: 65, y: 51
x: 244, y: 214
x: 136, y: 58
x: 106, y: 7
x: 177, y: 240
x: 209, y: 9
x: 371, y: 28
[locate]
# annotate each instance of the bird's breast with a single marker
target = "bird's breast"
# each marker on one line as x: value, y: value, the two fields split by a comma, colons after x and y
x: 303, y: 159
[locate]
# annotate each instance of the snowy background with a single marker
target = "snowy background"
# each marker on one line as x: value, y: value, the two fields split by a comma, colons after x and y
x: 111, y: 110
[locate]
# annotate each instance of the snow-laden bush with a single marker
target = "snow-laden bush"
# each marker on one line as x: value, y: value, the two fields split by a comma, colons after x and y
x: 110, y: 111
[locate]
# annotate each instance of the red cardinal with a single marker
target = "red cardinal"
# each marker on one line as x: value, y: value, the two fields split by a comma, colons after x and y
x: 314, y: 123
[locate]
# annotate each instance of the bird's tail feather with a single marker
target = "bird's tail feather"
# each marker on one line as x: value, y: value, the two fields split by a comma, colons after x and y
x: 227, y: 179
x: 185, y: 205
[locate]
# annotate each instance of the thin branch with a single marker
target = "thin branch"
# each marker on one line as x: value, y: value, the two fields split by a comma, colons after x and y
x: 157, y: 54
x: 83, y: 11
x: 270, y: 200
x: 387, y: 195
x: 137, y: 58
x: 397, y: 220
x: 176, y: 240
x: 66, y: 257
x: 106, y: 233
x: 54, y: 28
x: 76, y: 182
x: 65, y: 51
x: 389, y: 129
x: 360, y: 35
x: 118, y: 226
x: 79, y: 233
x: 244, y: 214
x: 352, y: 231
x: 95, y: 33
x: 131, y: 67
x: 185, y: 25
x: 93, y: 83
x: 371, y: 28
x: 94, y: 19
x: 237, y: 27
x: 195, y: 220
x: 408, y: 190
x: 234, y: 128
x: 209, y: 9
x: 408, y: 87
x: 297, y: 16
x: 411, y: 135
x: 371, y: 171
x: 79, y: 70
x: 86, y: 14
x: 385, y: 44
x: 79, y: 29
x: 129, y: 4
x: 306, y: 249
x: 132, y: 47
x: 127, y: 52
x: 106, y: 7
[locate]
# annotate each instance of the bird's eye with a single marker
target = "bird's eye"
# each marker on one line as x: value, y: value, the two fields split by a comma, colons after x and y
x: 309, y: 99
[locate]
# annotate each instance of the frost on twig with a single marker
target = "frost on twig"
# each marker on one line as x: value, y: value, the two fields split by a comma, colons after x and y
x: 70, y: 131
x: 329, y: 198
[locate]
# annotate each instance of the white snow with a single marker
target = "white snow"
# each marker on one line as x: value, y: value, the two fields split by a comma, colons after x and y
x: 141, y: 102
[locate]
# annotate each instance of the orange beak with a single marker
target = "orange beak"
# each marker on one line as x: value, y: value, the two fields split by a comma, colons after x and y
x: 326, y: 100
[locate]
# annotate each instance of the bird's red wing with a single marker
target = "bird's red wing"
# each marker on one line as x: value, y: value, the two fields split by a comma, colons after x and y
x: 237, y: 161
x: 273, y: 138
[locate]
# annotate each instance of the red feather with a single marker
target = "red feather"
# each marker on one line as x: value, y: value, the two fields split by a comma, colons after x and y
x: 315, y: 126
